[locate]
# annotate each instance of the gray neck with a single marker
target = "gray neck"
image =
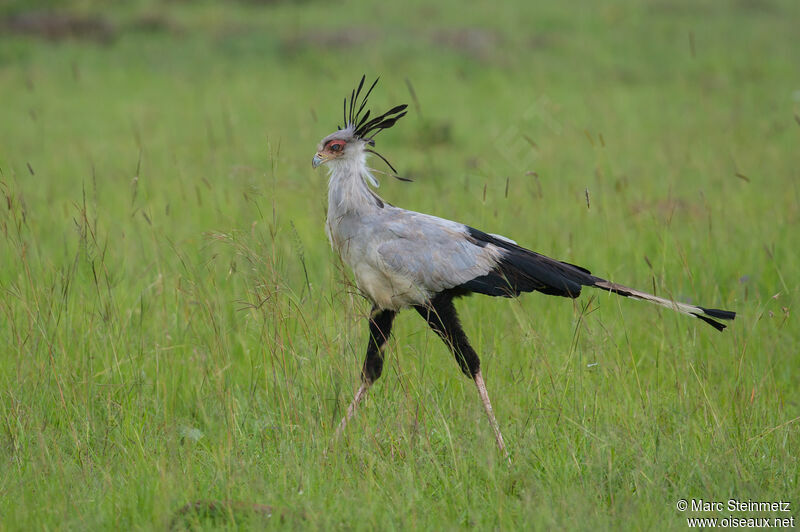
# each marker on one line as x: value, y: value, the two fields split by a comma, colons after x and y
x: 348, y: 193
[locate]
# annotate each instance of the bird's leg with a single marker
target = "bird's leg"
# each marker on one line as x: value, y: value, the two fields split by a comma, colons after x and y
x: 441, y: 316
x: 487, y: 405
x: 351, y: 410
x: 380, y: 327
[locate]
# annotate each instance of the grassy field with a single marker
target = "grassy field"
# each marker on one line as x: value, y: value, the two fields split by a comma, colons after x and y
x: 176, y: 328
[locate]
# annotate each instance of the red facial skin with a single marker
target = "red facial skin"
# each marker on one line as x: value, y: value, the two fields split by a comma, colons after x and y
x: 335, y: 147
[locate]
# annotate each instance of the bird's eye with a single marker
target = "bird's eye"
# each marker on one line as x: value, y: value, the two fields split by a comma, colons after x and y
x: 336, y: 146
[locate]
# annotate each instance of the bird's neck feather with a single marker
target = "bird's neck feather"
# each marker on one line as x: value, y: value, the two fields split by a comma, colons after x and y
x: 348, y: 192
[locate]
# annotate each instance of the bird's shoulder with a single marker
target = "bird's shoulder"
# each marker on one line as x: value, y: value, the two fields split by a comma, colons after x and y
x: 437, y: 253
x: 417, y: 226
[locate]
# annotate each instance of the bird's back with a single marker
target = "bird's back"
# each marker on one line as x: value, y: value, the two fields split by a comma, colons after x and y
x: 409, y: 255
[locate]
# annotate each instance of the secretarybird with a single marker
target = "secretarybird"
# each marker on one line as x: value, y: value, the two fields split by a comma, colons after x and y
x: 406, y: 259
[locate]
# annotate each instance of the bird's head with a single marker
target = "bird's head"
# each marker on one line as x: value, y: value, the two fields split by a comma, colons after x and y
x: 339, y: 146
x: 350, y: 142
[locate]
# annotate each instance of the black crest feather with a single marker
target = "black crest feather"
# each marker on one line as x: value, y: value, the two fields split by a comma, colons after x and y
x: 364, y: 127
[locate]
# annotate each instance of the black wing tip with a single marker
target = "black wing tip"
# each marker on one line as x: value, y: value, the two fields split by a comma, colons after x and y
x: 719, y: 314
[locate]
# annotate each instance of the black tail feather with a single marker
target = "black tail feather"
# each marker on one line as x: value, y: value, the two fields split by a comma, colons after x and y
x: 720, y: 314
x: 717, y: 325
x: 521, y: 270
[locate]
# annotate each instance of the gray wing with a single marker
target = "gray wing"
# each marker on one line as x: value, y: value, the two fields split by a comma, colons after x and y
x: 439, y: 254
x: 436, y: 253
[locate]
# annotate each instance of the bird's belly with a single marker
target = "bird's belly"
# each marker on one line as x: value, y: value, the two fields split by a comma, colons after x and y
x: 386, y: 289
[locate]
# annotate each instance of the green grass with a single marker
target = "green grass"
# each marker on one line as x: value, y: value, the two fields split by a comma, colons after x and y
x: 175, y: 326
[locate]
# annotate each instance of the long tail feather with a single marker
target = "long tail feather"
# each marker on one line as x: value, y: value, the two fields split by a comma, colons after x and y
x: 522, y: 270
x: 702, y: 313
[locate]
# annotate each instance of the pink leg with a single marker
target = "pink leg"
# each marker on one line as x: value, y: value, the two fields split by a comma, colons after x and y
x: 351, y: 410
x: 487, y: 405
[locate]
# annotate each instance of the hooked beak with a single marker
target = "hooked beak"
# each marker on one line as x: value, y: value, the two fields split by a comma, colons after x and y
x: 318, y: 160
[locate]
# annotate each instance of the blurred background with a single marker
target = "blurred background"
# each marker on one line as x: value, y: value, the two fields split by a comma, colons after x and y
x: 177, y: 327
